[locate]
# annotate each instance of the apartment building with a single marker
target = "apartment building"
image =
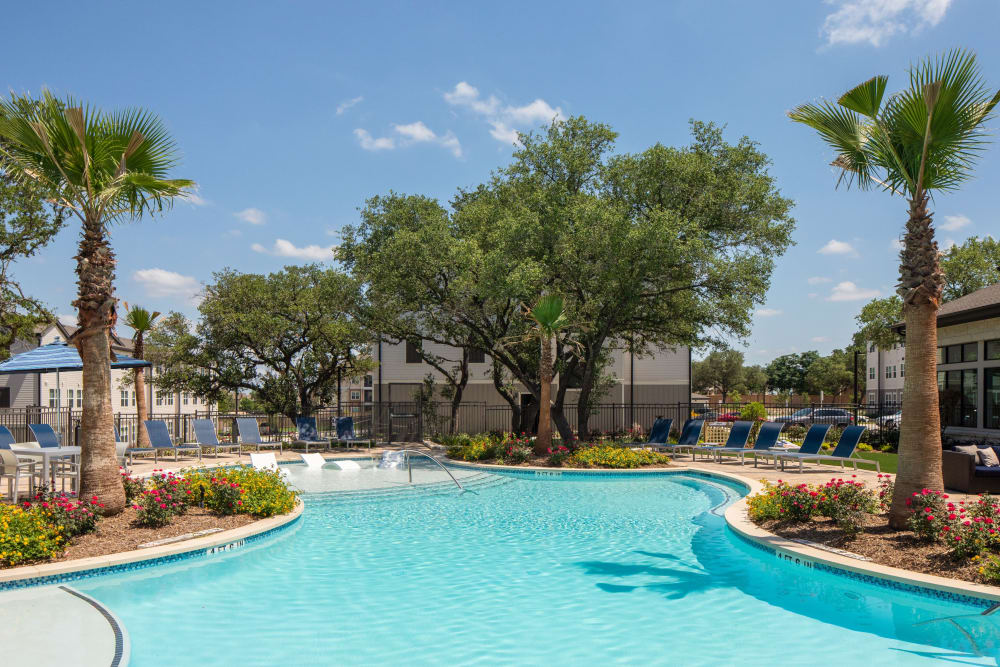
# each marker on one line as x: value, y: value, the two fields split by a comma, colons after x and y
x: 968, y: 360
x: 662, y: 377
x: 41, y: 390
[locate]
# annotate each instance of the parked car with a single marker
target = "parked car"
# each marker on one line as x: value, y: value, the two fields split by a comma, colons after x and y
x: 890, y: 421
x: 806, y: 416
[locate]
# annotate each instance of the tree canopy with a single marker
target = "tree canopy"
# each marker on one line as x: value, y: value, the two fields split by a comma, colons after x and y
x: 721, y: 371
x: 668, y: 247
x: 970, y: 266
x: 788, y: 372
x: 284, y: 336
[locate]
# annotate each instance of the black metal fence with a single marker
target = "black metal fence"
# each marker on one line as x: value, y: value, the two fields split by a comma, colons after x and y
x: 414, y: 420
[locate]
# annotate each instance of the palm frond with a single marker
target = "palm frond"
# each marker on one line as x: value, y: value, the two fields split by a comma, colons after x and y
x: 847, y: 133
x: 865, y: 98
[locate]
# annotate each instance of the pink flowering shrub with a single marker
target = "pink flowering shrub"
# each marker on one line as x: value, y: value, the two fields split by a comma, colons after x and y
x: 515, y: 452
x: 225, y: 496
x: 133, y: 485
x: 967, y: 528
x: 155, y: 508
x: 73, y: 515
x: 847, y: 502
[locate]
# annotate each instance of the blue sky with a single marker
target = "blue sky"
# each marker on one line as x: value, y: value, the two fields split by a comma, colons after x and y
x: 290, y: 116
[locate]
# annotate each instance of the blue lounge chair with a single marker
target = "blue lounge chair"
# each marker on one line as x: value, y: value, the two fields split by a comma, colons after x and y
x: 6, y: 438
x: 204, y: 432
x: 739, y: 433
x: 767, y: 438
x: 688, y: 439
x: 345, y: 432
x: 249, y: 434
x: 811, y: 444
x: 129, y: 451
x: 45, y: 436
x: 308, y: 435
x: 159, y: 439
x: 843, y: 452
x: 658, y: 435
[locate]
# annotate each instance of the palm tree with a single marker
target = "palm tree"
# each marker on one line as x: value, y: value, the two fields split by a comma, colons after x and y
x: 104, y: 167
x: 549, y: 319
x: 141, y: 322
x: 923, y: 139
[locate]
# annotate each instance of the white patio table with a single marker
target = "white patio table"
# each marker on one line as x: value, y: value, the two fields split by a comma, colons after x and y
x: 46, y: 454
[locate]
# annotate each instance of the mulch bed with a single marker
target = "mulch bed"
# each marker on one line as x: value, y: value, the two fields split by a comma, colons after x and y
x: 119, y: 533
x: 882, y: 545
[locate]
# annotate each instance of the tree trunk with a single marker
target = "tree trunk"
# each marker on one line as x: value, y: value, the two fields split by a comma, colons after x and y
x: 141, y: 437
x: 920, y: 432
x: 543, y: 441
x: 95, y: 304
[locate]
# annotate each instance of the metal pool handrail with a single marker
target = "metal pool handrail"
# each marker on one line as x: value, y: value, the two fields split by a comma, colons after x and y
x: 407, y: 452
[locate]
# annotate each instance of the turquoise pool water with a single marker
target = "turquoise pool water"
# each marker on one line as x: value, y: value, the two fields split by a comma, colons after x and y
x: 525, y: 571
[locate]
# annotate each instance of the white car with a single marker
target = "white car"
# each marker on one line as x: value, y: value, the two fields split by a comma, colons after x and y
x: 890, y: 421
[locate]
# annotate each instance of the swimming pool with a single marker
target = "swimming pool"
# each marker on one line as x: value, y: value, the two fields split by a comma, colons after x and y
x: 568, y: 570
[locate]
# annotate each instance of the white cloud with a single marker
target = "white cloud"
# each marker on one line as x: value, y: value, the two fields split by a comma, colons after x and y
x: 160, y: 283
x: 371, y: 144
x: 819, y: 339
x: 952, y: 223
x: 347, y: 104
x: 768, y: 312
x: 895, y: 245
x: 818, y: 280
x: 948, y: 243
x: 848, y: 291
x: 418, y: 133
x: 195, y: 199
x: 411, y: 133
x: 283, y: 248
x: 504, y: 120
x: 875, y: 21
x: 254, y: 216
x: 835, y: 247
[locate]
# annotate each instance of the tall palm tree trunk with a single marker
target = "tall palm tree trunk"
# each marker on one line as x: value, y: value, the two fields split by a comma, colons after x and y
x: 141, y: 408
x: 543, y: 441
x: 96, y: 312
x: 921, y: 282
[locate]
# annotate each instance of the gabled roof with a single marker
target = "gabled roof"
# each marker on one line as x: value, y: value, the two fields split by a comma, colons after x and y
x: 982, y: 304
x: 67, y: 330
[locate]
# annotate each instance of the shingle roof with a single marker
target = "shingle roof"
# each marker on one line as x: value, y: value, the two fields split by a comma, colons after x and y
x: 988, y: 296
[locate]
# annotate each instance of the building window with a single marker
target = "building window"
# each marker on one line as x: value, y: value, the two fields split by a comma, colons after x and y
x: 186, y: 398
x: 368, y: 380
x: 893, y: 371
x: 871, y: 398
x: 368, y: 395
x: 991, y: 378
x: 53, y: 398
x: 133, y: 399
x: 902, y: 370
x: 871, y: 373
x: 888, y: 372
x: 124, y: 398
x: 992, y: 350
x: 956, y: 354
x: 871, y: 348
x: 355, y: 394
x: 412, y: 353
x: 957, y: 396
x: 170, y: 398
x: 159, y: 398
x: 4, y: 397
x: 477, y: 356
x: 194, y: 400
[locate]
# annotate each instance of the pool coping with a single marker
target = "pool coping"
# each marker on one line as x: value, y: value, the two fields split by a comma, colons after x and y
x: 47, y: 574
x: 883, y: 576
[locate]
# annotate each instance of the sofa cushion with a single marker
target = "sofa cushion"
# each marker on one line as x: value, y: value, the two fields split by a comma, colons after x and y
x: 966, y: 449
x: 987, y: 471
x: 988, y: 458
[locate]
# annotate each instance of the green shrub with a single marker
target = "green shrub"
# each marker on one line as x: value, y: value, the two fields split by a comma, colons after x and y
x: 515, y: 453
x: 606, y: 456
x: 845, y: 501
x: 26, y: 535
x: 133, y: 485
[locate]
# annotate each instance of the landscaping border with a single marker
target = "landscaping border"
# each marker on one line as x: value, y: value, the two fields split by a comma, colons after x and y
x: 84, y: 568
x: 971, y: 594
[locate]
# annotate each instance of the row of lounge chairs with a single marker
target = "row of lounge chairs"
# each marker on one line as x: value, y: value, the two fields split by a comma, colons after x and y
x: 765, y: 446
